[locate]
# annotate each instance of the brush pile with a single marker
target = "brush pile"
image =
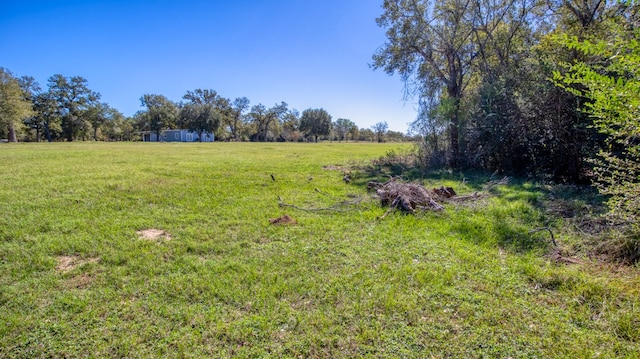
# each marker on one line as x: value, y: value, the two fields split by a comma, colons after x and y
x: 411, y: 197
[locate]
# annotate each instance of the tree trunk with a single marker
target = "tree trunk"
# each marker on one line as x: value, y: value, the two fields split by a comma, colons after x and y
x: 12, y: 133
x: 455, y: 146
x: 47, y: 131
x: 454, y: 90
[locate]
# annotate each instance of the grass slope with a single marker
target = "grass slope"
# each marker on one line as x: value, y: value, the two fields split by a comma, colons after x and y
x: 76, y: 280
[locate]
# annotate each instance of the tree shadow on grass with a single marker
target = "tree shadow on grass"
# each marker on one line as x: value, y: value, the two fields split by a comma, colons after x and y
x: 514, y: 215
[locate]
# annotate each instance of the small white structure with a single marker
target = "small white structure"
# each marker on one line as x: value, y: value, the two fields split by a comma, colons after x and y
x: 177, y: 136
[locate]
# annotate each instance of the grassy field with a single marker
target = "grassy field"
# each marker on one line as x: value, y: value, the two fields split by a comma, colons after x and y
x: 76, y: 279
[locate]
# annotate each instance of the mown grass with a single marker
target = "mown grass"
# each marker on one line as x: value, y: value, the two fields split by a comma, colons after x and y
x: 472, y: 281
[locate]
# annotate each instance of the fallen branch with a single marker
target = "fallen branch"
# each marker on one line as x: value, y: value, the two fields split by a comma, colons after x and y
x: 553, y: 239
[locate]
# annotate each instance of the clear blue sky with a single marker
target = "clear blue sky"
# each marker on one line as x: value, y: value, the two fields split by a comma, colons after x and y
x: 307, y: 53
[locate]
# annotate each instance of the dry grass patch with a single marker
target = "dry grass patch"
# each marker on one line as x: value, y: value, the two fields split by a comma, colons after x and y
x: 154, y: 234
x: 69, y: 263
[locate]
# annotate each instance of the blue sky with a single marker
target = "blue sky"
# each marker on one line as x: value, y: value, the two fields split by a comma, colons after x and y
x: 307, y: 53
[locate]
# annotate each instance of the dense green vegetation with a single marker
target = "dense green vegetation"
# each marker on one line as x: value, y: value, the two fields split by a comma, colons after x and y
x: 472, y: 281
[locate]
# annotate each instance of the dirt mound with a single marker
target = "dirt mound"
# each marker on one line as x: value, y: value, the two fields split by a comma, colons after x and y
x: 283, y: 220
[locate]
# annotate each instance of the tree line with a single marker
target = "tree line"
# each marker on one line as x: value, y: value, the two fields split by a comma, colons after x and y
x: 484, y: 73
x: 541, y: 88
x: 69, y: 110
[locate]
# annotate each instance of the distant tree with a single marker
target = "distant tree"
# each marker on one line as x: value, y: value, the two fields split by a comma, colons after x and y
x: 353, y: 132
x: 160, y: 114
x: 366, y: 134
x: 118, y: 127
x: 73, y: 98
x: 14, y: 106
x: 97, y: 115
x: 380, y: 130
x: 46, y: 116
x: 203, y: 111
x: 45, y: 119
x: 291, y: 126
x: 264, y: 118
x: 315, y: 122
x: 31, y: 89
x: 343, y: 127
x: 396, y: 136
x: 237, y: 112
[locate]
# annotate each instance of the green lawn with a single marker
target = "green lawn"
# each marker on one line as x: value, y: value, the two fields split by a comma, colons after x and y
x: 77, y: 281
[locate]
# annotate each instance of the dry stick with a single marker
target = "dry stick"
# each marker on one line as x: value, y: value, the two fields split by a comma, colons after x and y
x: 553, y: 239
x: 330, y: 208
x: 320, y: 191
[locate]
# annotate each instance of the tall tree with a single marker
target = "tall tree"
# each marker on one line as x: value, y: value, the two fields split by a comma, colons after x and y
x: 430, y: 45
x: 97, y: 115
x: 291, y: 126
x: 73, y: 98
x: 32, y: 89
x: 315, y: 122
x: 203, y: 111
x: 118, y: 127
x: 160, y: 114
x: 237, y: 112
x: 264, y: 118
x: 343, y: 127
x: 380, y: 129
x: 46, y: 115
x: 438, y: 47
x: 14, y: 106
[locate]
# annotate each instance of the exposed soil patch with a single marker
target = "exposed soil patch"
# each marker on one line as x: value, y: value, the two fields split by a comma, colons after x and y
x: 333, y: 168
x: 80, y: 281
x: 283, y: 220
x: 69, y: 263
x: 154, y: 234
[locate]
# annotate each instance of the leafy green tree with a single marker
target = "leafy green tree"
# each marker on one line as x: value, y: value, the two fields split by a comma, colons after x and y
x: 236, y: 115
x: 366, y: 134
x: 14, y: 106
x: 31, y: 88
x: 439, y: 48
x: 612, y: 86
x: 380, y: 130
x: 343, y: 127
x: 315, y: 122
x: 291, y: 126
x: 44, y: 119
x: 46, y: 115
x: 203, y: 111
x: 431, y: 45
x: 73, y: 98
x: 118, y: 127
x: 97, y: 115
x: 160, y: 113
x: 353, y: 132
x: 264, y: 119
